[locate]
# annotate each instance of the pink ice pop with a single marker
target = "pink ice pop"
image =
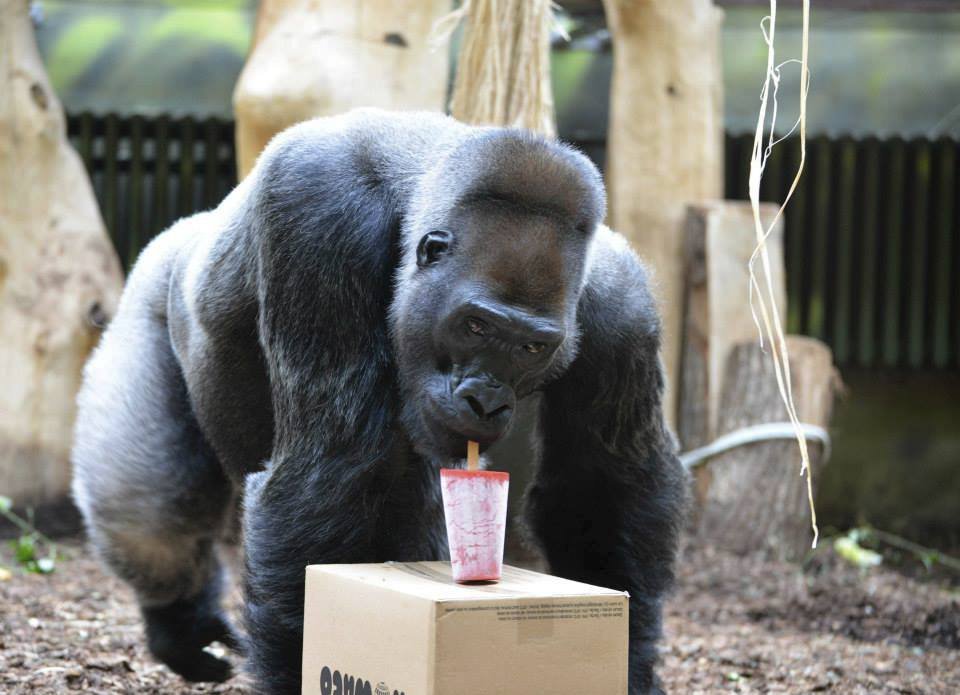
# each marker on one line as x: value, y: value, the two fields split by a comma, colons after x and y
x: 475, y: 507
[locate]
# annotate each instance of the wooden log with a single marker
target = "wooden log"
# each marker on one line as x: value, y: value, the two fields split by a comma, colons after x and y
x: 719, y: 240
x: 665, y: 142
x: 757, y: 500
x: 503, y: 72
x: 60, y: 279
x: 322, y: 57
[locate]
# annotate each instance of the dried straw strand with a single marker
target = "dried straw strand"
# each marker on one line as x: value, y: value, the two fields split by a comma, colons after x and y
x: 771, y: 321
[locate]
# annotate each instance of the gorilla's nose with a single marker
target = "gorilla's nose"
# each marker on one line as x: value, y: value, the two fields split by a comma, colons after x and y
x: 485, y: 398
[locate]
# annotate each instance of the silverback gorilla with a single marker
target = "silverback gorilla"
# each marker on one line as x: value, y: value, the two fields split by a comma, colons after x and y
x: 380, y: 289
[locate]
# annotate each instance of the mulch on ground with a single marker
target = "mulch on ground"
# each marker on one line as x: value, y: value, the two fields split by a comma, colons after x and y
x: 733, y: 625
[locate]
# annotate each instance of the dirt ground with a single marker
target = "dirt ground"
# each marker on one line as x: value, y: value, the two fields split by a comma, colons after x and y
x: 732, y: 625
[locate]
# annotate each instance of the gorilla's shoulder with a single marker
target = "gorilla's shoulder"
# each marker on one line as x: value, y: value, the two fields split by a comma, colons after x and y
x: 618, y: 297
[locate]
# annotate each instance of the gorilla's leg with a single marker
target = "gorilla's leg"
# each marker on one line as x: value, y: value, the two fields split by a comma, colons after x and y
x: 609, y: 497
x: 618, y: 531
x: 152, y: 494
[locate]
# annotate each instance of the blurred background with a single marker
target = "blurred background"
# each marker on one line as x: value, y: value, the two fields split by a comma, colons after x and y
x: 147, y: 87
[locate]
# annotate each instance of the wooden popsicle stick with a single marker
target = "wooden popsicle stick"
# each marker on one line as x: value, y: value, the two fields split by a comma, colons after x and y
x: 473, y: 456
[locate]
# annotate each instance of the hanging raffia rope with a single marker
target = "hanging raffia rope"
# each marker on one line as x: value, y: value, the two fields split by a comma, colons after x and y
x: 763, y: 298
x: 503, y: 73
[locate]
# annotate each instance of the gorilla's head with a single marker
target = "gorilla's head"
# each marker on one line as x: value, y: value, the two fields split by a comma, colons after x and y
x: 486, y: 296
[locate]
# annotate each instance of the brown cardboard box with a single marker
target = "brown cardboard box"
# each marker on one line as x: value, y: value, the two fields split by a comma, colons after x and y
x: 408, y: 629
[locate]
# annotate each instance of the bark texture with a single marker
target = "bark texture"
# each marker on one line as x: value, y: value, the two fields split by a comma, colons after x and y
x: 665, y: 142
x: 60, y: 279
x: 323, y: 57
x: 756, y: 499
x: 719, y: 240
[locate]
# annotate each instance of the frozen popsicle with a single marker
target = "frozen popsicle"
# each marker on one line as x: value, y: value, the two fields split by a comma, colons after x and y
x: 475, y: 507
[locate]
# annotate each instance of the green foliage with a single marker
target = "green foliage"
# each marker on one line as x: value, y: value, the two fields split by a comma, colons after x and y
x: 848, y: 547
x: 80, y: 44
x: 221, y: 27
x: 28, y: 549
x: 882, y: 545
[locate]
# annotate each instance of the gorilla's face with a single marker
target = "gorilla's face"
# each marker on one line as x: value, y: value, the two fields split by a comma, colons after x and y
x: 488, y: 315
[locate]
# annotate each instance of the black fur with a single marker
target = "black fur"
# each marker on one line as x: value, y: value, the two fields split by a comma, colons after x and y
x: 322, y: 367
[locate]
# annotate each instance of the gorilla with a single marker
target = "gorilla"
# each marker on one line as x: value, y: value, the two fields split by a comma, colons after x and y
x: 382, y: 288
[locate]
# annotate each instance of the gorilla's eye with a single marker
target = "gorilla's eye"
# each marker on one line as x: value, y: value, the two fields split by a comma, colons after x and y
x: 431, y: 247
x: 475, y: 326
x: 533, y: 348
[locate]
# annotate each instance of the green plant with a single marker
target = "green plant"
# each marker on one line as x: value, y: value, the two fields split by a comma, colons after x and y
x: 32, y: 550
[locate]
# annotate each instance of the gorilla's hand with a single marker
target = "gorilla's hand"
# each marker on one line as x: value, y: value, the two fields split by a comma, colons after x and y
x: 177, y: 634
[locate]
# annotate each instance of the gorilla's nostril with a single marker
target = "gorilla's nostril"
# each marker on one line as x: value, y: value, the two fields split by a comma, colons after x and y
x: 475, y: 406
x: 501, y: 409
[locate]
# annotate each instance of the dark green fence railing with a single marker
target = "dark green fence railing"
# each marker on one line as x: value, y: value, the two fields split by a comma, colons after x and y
x: 149, y: 172
x: 872, y: 233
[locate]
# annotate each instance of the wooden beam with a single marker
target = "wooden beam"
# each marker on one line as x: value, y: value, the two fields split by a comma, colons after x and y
x: 665, y: 142
x: 60, y: 278
x: 719, y: 240
x: 323, y: 57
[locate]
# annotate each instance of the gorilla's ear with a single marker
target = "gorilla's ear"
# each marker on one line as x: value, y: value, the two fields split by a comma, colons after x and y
x: 432, y: 246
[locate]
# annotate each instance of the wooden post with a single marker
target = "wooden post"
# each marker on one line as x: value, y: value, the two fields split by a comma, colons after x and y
x: 719, y: 240
x: 60, y: 279
x: 757, y: 500
x: 503, y: 73
x: 665, y: 143
x: 322, y: 57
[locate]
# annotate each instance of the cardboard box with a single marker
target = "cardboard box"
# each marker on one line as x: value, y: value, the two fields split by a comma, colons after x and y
x: 408, y: 629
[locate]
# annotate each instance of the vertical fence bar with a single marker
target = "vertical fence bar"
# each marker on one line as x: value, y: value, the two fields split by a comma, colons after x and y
x: 111, y: 144
x: 867, y: 307
x: 916, y: 296
x: 744, y: 153
x: 797, y: 262
x: 85, y: 140
x: 955, y: 256
x: 729, y: 167
x: 944, y: 211
x: 211, y: 147
x: 161, y: 175
x: 842, y: 285
x: 772, y: 184
x: 892, y: 251
x: 185, y: 204
x: 135, y: 189
x: 819, y: 231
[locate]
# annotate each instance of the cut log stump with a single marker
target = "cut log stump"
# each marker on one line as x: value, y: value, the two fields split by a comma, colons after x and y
x: 755, y: 498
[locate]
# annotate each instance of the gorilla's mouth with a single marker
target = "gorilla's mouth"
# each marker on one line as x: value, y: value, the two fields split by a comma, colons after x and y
x: 453, y: 418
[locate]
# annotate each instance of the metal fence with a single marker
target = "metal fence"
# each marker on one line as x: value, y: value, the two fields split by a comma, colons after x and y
x: 872, y: 233
x: 149, y: 172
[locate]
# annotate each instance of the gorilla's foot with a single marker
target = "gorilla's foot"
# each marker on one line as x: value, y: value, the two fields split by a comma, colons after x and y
x: 178, y: 633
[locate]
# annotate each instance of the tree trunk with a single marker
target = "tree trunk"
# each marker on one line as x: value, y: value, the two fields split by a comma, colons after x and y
x: 757, y: 500
x: 503, y: 73
x: 323, y: 57
x: 59, y: 275
x: 665, y: 142
x: 719, y: 240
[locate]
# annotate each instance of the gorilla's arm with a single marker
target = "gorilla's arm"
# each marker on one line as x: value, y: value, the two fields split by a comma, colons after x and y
x: 607, y: 503
x: 327, y: 241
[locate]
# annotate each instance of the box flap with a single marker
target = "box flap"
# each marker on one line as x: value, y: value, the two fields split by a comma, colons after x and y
x: 432, y: 581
